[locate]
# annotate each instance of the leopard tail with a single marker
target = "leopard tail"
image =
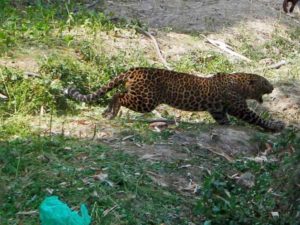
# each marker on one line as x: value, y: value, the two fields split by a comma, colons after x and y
x: 76, y: 95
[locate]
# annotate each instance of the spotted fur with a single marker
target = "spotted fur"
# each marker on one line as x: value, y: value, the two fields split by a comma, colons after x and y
x: 220, y: 94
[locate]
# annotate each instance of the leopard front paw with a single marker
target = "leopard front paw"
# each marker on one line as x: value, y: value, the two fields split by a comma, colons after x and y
x: 276, y: 126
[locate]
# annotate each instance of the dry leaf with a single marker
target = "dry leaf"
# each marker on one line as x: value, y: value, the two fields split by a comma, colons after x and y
x: 275, y: 214
x: 158, y: 126
x: 107, y: 211
x: 192, y: 187
x: 103, y: 178
x: 100, y: 176
x: 50, y: 190
x: 185, y: 166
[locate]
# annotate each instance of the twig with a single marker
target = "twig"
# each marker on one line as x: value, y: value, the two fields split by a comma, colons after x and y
x: 218, y: 152
x: 63, y: 129
x: 4, y: 97
x: 158, y: 51
x: 223, y: 154
x: 155, y: 121
x: 51, y: 121
x: 32, y: 74
x: 94, y: 131
x: 226, y: 48
x: 107, y: 211
x: 28, y: 213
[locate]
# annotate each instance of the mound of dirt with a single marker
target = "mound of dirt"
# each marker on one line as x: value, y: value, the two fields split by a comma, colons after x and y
x: 285, y: 100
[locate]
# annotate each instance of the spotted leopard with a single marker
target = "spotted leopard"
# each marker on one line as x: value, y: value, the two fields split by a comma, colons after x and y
x: 220, y: 94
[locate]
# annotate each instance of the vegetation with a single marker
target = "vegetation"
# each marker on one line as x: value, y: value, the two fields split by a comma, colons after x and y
x: 38, y: 158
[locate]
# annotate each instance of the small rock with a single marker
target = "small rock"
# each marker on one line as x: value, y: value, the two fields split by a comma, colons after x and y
x: 247, y: 180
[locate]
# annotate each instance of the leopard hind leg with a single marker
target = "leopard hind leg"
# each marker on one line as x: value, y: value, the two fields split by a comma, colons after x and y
x: 113, y: 107
x: 136, y: 103
x: 220, y: 117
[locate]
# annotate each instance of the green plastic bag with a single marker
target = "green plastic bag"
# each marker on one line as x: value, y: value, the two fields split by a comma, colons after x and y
x: 55, y: 212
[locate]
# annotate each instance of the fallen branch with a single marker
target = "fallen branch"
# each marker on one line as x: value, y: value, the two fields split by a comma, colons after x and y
x: 158, y: 51
x: 274, y: 66
x: 226, y: 48
x: 277, y: 65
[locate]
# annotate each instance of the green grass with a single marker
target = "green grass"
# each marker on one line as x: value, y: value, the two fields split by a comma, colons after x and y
x: 204, y: 62
x: 34, y: 165
x: 45, y: 26
x: 224, y: 201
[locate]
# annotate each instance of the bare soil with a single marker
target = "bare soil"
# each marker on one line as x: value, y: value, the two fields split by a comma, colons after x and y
x: 193, y: 15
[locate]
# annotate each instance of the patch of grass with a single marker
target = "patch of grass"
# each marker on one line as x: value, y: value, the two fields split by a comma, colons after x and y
x: 203, y: 62
x: 25, y: 95
x: 33, y: 167
x: 295, y: 34
x: 248, y: 45
x: 13, y: 127
x: 222, y: 200
x: 282, y: 47
x: 252, y: 52
x: 113, y: 64
x: 46, y: 25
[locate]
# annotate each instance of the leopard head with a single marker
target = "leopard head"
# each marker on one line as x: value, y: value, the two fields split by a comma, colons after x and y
x: 257, y: 86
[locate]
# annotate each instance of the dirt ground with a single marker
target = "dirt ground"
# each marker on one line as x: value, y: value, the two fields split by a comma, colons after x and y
x: 220, y: 19
x: 193, y: 15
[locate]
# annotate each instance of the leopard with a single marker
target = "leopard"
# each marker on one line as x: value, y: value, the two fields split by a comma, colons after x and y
x: 221, y: 94
x: 286, y: 7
